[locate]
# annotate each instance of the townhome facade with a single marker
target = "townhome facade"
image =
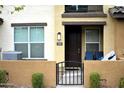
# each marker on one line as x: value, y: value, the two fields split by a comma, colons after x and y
x: 64, y: 33
x: 99, y: 31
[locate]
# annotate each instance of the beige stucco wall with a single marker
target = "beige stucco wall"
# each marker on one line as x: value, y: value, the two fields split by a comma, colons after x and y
x: 119, y: 34
x: 112, y: 71
x: 30, y: 14
x: 59, y: 50
x: 108, y: 35
x: 20, y: 72
x: 109, y: 32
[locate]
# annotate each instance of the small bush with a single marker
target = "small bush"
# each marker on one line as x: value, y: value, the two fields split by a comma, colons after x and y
x: 121, y: 83
x: 94, y: 80
x: 37, y: 80
x: 3, y: 76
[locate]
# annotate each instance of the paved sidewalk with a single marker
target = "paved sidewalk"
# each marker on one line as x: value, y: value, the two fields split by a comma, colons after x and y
x: 69, y: 86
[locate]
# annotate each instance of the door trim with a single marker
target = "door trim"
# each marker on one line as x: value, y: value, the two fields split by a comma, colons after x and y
x: 85, y: 23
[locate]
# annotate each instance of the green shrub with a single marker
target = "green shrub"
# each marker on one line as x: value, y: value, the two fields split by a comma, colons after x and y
x: 94, y: 80
x: 121, y: 83
x: 37, y: 80
x: 3, y: 76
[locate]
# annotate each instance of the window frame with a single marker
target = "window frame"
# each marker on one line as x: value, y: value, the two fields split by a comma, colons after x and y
x: 93, y: 42
x: 84, y: 11
x: 29, y: 42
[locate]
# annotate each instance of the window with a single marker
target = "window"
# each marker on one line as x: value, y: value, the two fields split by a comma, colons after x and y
x: 29, y: 40
x: 83, y: 8
x: 92, y: 40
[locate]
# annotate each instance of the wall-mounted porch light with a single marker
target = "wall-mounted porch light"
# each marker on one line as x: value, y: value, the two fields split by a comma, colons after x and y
x: 59, y: 39
x: 59, y: 36
x: 1, y: 21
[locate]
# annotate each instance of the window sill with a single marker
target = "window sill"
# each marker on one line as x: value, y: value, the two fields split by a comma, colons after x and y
x: 43, y: 59
x: 80, y: 15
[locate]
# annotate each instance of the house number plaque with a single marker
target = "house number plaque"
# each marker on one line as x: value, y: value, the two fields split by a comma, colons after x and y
x: 59, y: 43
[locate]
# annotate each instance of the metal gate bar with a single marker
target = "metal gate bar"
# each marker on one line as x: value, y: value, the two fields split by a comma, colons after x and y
x: 69, y: 74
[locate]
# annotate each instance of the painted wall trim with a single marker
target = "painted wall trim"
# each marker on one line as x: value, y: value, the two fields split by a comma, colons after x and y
x: 84, y: 23
x: 28, y: 24
x: 80, y: 15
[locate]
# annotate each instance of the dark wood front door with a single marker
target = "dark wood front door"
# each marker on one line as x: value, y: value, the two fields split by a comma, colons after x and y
x: 73, y: 44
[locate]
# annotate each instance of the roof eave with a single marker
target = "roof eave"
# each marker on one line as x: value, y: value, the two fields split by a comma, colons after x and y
x: 116, y: 14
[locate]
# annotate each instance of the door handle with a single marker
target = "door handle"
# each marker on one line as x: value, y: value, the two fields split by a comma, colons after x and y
x: 78, y: 50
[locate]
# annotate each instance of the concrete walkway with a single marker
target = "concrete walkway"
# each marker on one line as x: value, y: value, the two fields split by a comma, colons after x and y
x: 69, y: 86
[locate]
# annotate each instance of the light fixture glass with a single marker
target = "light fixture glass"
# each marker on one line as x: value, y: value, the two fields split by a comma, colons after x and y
x: 59, y: 36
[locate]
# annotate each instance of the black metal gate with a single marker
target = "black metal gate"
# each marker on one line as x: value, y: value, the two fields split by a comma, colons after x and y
x: 69, y: 75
